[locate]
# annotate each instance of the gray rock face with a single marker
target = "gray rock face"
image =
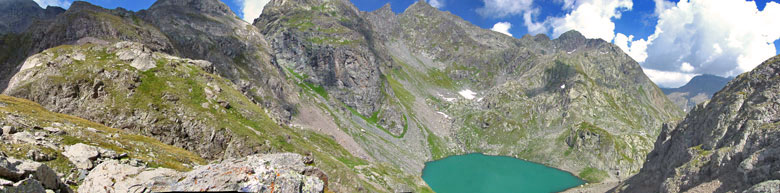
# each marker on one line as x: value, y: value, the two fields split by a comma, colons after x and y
x: 208, y: 30
x: 340, y: 59
x: 18, y: 15
x: 765, y: 187
x: 729, y: 144
x: 283, y: 173
x: 81, y: 20
x: 19, y: 170
x: 24, y: 186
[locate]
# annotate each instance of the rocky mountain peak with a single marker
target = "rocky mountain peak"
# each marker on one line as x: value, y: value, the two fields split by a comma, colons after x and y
x: 726, y: 145
x: 572, y: 36
x: 212, y: 7
x: 83, y: 5
x: 386, y: 9
x: 420, y: 7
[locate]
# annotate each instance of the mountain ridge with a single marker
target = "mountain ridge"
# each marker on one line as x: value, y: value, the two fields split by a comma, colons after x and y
x: 697, y: 90
x: 380, y: 92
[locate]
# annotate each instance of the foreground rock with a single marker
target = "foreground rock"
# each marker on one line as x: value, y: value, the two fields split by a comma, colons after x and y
x: 731, y: 144
x: 84, y: 156
x: 28, y: 176
x: 285, y: 172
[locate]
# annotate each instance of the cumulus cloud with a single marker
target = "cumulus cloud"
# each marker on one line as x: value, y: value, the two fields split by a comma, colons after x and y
x: 436, y: 3
x: 592, y: 18
x: 533, y: 27
x: 668, y: 79
x: 502, y: 27
x: 57, y: 3
x: 504, y: 8
x: 696, y: 37
x: 251, y: 9
x: 634, y: 48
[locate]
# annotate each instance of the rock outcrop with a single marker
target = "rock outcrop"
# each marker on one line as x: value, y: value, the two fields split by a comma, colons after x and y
x: 209, y: 30
x: 126, y: 67
x: 283, y: 173
x: 29, y: 176
x: 81, y: 20
x: 730, y: 144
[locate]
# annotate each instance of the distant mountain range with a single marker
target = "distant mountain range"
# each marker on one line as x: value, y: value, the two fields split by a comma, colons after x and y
x: 699, y: 89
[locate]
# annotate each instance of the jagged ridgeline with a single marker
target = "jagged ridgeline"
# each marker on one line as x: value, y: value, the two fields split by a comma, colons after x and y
x: 729, y: 144
x: 371, y: 96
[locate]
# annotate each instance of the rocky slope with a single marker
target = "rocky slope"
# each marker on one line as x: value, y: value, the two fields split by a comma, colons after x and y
x: 41, y: 150
x: 699, y: 89
x: 209, y: 30
x: 180, y: 102
x: 729, y: 144
x: 371, y: 96
x: 402, y: 89
x: 283, y: 173
x: 53, y: 147
x: 82, y: 20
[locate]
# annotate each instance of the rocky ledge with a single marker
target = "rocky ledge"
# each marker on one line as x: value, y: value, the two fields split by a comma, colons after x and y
x: 284, y: 172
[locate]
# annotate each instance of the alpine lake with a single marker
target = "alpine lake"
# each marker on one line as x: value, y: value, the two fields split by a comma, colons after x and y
x: 479, y: 173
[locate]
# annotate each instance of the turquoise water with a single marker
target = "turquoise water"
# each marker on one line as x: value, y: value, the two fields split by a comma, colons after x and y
x: 475, y: 173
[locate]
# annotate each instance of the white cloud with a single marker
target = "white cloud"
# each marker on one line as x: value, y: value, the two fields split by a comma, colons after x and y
x: 504, y: 8
x: 724, y: 38
x: 592, y: 18
x: 661, y: 5
x: 436, y: 3
x: 251, y: 9
x: 686, y: 67
x: 502, y: 27
x: 58, y: 3
x: 533, y: 27
x: 634, y: 48
x: 668, y: 79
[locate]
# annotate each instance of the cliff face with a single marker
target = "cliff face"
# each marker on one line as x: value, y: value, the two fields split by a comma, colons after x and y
x: 209, y: 30
x: 18, y: 15
x: 729, y: 144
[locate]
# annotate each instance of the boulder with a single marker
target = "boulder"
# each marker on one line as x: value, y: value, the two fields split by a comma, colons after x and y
x: 37, y: 155
x: 28, y: 185
x: 763, y: 187
x: 113, y: 176
x: 4, y: 182
x: 8, y: 130
x: 275, y: 172
x: 18, y: 170
x: 54, y: 130
x: 82, y: 155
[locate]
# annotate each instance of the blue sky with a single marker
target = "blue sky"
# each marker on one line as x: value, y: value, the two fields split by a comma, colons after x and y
x: 720, y: 37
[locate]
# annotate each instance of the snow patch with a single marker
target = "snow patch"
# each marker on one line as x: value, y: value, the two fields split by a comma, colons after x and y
x: 445, y: 115
x: 447, y: 99
x: 468, y: 94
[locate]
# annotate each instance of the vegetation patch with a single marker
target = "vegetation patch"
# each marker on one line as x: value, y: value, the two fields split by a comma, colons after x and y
x: 593, y: 175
